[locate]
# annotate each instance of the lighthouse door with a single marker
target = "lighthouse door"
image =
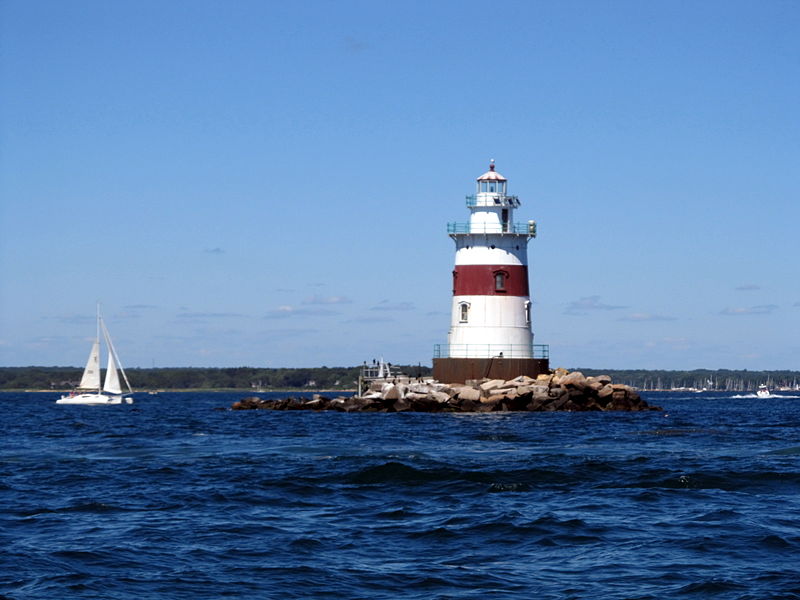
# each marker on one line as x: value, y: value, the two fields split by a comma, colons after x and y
x: 505, y: 219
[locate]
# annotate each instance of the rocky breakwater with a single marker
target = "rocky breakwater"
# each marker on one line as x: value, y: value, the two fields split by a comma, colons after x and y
x: 558, y: 391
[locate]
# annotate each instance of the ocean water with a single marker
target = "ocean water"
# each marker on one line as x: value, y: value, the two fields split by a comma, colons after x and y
x: 177, y: 497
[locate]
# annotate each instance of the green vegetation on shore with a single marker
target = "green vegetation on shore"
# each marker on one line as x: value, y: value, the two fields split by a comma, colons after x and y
x: 341, y: 378
x: 193, y: 378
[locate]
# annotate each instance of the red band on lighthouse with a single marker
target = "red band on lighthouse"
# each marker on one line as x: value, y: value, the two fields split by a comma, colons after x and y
x: 490, y: 280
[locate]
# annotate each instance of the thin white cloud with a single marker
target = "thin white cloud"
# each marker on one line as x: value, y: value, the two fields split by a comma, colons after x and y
x: 289, y: 331
x: 286, y: 311
x: 386, y: 305
x: 127, y: 315
x: 645, y: 317
x: 73, y: 319
x: 588, y: 303
x: 208, y: 315
x: 317, y: 299
x: 761, y: 309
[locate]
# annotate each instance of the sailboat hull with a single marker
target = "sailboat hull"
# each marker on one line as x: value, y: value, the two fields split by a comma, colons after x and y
x: 94, y: 400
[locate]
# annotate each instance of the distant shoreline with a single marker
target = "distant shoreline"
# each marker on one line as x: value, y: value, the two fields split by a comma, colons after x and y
x: 345, y: 379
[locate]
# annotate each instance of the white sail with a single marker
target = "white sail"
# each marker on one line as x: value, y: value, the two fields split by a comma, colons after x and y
x: 91, y: 374
x: 112, y: 379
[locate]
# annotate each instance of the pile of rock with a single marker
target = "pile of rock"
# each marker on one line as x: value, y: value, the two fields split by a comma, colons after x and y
x: 560, y: 390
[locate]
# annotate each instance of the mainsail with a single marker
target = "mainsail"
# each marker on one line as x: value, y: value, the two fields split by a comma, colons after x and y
x: 112, y: 379
x: 91, y: 374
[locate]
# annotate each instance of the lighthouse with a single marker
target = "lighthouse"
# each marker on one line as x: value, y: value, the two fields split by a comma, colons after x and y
x: 490, y: 325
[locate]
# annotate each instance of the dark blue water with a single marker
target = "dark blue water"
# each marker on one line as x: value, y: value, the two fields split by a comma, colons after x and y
x: 170, y: 498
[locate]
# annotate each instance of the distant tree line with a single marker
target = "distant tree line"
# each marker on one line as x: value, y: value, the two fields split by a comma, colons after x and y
x: 318, y: 378
x: 333, y: 378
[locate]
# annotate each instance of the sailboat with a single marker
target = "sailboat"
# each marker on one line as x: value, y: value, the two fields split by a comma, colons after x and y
x: 89, y: 391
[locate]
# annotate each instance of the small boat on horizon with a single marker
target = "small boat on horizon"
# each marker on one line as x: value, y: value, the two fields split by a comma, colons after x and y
x: 89, y: 390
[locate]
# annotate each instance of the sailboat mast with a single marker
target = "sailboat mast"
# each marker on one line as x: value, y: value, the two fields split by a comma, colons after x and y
x: 97, y: 340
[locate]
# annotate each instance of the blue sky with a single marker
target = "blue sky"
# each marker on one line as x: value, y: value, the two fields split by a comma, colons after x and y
x: 268, y: 183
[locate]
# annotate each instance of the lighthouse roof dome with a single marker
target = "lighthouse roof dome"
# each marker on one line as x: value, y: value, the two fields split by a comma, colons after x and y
x: 491, y: 174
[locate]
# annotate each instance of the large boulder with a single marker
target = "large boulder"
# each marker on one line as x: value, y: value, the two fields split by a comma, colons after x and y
x: 544, y: 379
x: 573, y: 381
x: 491, y: 385
x: 421, y: 388
x: 441, y: 397
x: 541, y: 391
x: 517, y: 402
x: 468, y: 405
x: 392, y: 392
x: 468, y: 393
x: 604, y: 379
x: 605, y: 394
x: 401, y: 405
x: 522, y: 380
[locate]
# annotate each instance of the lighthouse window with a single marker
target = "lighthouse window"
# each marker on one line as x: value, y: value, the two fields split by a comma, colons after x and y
x: 491, y: 187
x: 528, y: 312
x: 463, y: 312
x: 500, y: 281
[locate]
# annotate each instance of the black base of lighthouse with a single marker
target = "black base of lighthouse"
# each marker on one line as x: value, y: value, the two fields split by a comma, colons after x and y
x: 460, y: 370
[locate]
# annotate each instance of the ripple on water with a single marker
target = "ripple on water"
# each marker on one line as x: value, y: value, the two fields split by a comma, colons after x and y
x: 180, y: 500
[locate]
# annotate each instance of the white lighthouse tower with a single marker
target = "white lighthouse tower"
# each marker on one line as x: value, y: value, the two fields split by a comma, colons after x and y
x: 490, y: 328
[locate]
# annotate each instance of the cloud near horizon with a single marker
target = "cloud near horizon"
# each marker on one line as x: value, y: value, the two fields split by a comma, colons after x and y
x: 73, y: 319
x: 645, y: 317
x: 317, y: 299
x: 761, y: 309
x: 588, y: 303
x: 286, y: 311
x: 202, y: 318
x: 386, y: 305
x: 208, y: 315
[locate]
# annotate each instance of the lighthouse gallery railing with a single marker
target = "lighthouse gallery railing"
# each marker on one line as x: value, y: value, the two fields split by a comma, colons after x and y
x: 517, y: 228
x: 491, y: 350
